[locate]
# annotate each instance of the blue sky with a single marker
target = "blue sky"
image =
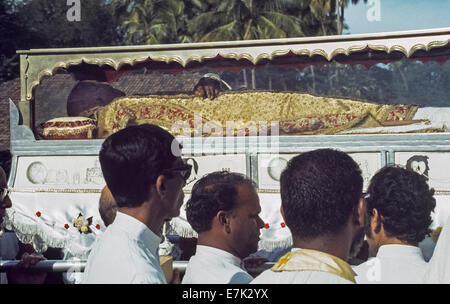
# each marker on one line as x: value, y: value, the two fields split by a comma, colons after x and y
x: 396, y: 15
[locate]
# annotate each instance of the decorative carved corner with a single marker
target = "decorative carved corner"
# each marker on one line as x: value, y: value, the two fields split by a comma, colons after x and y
x: 18, y: 132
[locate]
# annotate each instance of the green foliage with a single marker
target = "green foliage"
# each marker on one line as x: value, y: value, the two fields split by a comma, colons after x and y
x: 152, y: 21
x: 48, y: 19
x: 9, y: 67
x: 43, y: 24
x: 27, y: 24
x: 245, y: 20
x: 14, y: 36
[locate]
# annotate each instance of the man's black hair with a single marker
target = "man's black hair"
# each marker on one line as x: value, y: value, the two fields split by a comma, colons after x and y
x: 403, y: 200
x: 132, y: 159
x: 319, y: 190
x: 5, y: 161
x: 210, y: 194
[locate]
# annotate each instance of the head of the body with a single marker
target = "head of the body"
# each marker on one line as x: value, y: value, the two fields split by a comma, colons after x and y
x: 93, y: 91
x: 144, y: 174
x: 5, y: 201
x: 399, y: 206
x: 321, y: 202
x: 224, y: 210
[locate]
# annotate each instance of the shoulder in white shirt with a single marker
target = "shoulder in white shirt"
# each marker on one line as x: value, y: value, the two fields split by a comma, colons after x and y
x: 299, y: 277
x: 126, y: 253
x: 402, y: 264
x: 9, y: 248
x: 215, y: 266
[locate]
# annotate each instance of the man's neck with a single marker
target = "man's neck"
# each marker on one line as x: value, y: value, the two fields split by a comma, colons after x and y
x: 146, y: 215
x: 395, y: 241
x: 206, y: 239
x: 330, y: 245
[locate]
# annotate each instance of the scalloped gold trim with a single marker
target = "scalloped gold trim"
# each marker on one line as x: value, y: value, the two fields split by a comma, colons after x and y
x: 412, y: 50
x: 277, y: 191
x: 55, y: 190
x: 316, y: 47
x: 259, y: 190
x: 187, y: 191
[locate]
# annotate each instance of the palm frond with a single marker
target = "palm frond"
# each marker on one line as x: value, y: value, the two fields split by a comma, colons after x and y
x: 248, y: 30
x: 222, y: 33
x: 206, y: 22
x: 291, y: 25
x: 269, y: 29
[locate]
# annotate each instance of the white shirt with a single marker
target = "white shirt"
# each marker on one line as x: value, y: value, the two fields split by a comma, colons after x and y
x: 215, y: 266
x: 9, y: 248
x: 298, y: 277
x: 393, y: 264
x: 438, y: 270
x: 127, y: 253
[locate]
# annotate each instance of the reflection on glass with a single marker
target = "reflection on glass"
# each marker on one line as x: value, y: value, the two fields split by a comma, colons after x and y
x: 372, y: 77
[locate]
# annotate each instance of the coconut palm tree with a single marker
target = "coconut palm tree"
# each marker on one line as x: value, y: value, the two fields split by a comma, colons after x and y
x: 340, y: 7
x: 152, y: 21
x: 328, y: 10
x: 245, y: 20
x: 325, y: 13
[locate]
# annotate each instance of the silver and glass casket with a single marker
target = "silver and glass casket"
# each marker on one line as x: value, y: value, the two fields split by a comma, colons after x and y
x: 383, y: 98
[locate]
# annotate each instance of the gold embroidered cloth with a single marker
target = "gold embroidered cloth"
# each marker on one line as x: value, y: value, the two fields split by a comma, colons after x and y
x: 68, y: 128
x: 241, y: 113
x: 313, y: 260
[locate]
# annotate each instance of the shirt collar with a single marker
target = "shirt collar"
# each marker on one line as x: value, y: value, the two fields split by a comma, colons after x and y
x: 137, y: 230
x: 396, y: 250
x: 314, y: 260
x: 202, y: 249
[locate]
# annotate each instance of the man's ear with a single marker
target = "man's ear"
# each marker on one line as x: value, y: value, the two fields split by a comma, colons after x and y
x: 359, y: 213
x: 375, y: 221
x: 282, y: 213
x: 161, y: 185
x: 224, y: 221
